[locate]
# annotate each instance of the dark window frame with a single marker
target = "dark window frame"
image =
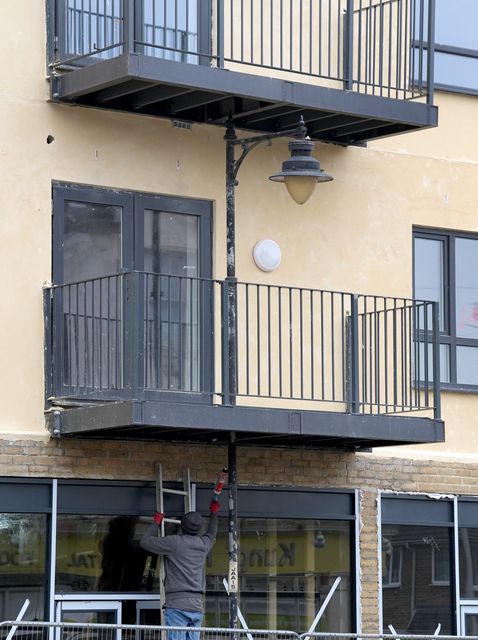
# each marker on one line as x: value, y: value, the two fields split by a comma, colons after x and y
x: 448, y: 335
x: 133, y: 204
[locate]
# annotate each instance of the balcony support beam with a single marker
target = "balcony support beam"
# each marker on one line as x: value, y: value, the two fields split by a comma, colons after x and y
x: 231, y: 87
x: 176, y: 421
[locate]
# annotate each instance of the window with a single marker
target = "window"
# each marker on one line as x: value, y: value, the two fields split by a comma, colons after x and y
x: 99, y: 237
x: 391, y: 564
x: 456, y: 44
x: 445, y: 267
x: 440, y: 565
x: 417, y: 553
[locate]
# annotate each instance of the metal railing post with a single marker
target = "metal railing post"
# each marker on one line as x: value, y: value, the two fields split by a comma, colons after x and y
x: 129, y: 26
x: 348, y: 45
x: 48, y: 363
x: 430, y: 51
x: 225, y: 344
x: 134, y: 334
x: 436, y: 361
x: 354, y: 356
x: 220, y: 33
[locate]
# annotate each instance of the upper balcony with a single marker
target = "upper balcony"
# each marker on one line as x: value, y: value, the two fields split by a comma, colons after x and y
x: 356, y: 70
x: 144, y: 355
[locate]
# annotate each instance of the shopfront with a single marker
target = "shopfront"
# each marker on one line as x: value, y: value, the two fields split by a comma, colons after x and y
x: 429, y: 564
x: 72, y: 548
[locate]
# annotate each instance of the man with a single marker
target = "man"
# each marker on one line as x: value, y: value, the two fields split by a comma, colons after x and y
x: 184, y: 559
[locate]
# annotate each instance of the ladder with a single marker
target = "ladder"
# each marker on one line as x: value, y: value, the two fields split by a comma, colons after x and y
x: 161, y: 490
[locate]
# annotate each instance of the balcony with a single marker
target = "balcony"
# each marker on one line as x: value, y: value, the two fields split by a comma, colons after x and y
x: 143, y: 355
x: 356, y: 70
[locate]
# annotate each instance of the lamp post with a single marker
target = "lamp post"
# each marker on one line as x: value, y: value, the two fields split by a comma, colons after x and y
x: 300, y: 173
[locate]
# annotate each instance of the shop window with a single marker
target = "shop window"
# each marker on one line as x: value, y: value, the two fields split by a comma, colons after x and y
x: 287, y: 568
x: 445, y: 267
x: 102, y: 554
x: 418, y: 604
x: 23, y: 553
x: 468, y: 554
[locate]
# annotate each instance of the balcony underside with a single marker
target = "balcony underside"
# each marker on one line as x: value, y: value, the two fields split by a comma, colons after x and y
x: 188, y: 422
x: 140, y: 84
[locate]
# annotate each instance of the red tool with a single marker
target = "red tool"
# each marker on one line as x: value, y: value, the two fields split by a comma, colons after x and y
x: 221, y: 480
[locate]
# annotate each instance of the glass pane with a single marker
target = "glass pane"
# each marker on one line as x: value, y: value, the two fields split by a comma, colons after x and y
x: 468, y: 559
x: 171, y: 243
x: 22, y: 565
x: 466, y: 262
x: 287, y: 569
x: 93, y: 26
x: 92, y: 617
x: 173, y: 302
x: 467, y: 365
x: 92, y: 241
x: 471, y: 624
x: 444, y: 362
x: 456, y: 23
x: 429, y: 275
x: 418, y: 596
x: 171, y: 28
x: 102, y: 553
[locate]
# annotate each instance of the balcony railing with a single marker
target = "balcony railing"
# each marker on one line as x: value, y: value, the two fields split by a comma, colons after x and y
x: 141, y: 335
x: 367, y: 46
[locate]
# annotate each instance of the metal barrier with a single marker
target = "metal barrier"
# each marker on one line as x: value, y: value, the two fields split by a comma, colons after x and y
x: 14, y: 630
x: 133, y: 333
x: 371, y: 46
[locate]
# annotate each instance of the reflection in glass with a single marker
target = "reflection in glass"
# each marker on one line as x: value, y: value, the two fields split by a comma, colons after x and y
x: 466, y: 267
x: 429, y: 275
x: 92, y: 241
x: 287, y: 569
x: 419, y: 596
x: 171, y: 28
x: 102, y: 553
x: 471, y: 624
x: 468, y: 558
x: 467, y: 365
x: 92, y: 310
x: 173, y: 300
x: 22, y: 565
x: 444, y: 362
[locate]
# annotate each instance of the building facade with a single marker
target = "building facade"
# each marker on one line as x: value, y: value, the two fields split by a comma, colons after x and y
x: 144, y: 323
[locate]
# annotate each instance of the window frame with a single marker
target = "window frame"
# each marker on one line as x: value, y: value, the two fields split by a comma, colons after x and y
x: 448, y: 335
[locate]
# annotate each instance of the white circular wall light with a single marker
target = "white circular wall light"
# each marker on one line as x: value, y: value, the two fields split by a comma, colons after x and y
x: 267, y: 255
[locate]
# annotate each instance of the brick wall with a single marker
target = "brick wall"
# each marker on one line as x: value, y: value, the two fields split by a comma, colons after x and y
x: 122, y: 460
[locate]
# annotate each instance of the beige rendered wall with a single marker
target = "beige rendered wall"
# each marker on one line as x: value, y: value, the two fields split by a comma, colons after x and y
x: 353, y: 235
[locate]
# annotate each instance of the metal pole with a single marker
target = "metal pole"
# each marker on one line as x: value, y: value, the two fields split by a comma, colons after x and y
x: 348, y: 45
x: 430, y: 51
x: 436, y: 360
x: 233, y: 538
x: 230, y: 138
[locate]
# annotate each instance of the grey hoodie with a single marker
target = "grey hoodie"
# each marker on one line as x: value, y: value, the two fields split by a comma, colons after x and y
x: 184, y: 560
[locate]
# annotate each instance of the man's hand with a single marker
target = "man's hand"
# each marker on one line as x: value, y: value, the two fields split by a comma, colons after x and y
x: 158, y: 517
x: 214, y: 506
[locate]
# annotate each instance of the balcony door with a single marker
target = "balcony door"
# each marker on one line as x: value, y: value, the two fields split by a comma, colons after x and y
x: 119, y: 256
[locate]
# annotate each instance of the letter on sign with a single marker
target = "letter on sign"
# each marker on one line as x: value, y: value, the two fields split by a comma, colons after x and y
x: 233, y: 577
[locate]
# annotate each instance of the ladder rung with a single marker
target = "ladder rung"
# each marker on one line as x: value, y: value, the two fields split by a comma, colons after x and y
x: 179, y: 492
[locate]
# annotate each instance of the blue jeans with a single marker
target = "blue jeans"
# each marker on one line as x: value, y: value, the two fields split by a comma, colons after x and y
x: 180, y: 618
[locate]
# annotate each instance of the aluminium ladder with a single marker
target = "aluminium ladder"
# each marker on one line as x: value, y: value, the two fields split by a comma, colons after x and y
x: 160, y: 491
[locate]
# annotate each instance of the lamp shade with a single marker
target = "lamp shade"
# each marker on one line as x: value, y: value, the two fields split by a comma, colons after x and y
x: 301, y: 171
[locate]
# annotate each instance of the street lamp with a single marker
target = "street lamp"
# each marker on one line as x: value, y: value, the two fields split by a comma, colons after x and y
x: 300, y: 173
